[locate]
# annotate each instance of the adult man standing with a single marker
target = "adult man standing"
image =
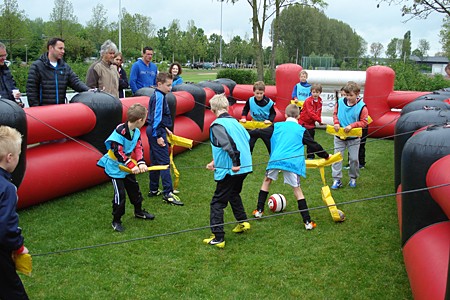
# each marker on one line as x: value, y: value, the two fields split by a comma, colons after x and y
x: 143, y: 72
x: 49, y: 77
x: 103, y: 74
x: 7, y: 83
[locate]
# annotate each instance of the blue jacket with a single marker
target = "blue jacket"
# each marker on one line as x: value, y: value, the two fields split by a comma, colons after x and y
x: 142, y: 75
x: 7, y: 83
x: 159, y: 116
x: 10, y: 233
x: 177, y: 80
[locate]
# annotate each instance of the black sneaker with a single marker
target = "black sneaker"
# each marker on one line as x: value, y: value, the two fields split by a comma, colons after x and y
x: 170, y: 198
x: 143, y: 214
x: 154, y: 194
x: 117, y: 226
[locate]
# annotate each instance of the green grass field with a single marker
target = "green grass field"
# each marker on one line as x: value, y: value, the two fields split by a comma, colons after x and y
x: 77, y: 255
x: 194, y: 75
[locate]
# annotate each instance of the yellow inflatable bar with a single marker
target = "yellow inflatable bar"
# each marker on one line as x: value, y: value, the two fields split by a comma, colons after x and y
x: 250, y: 125
x: 298, y: 103
x: 354, y: 132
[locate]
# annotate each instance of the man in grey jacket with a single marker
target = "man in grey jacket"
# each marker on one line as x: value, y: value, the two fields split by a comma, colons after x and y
x: 49, y: 77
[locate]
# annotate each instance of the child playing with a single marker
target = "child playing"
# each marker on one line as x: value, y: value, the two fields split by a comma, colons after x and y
x: 124, y: 140
x: 11, y: 239
x: 302, y: 90
x: 159, y: 122
x: 287, y: 139
x: 348, y: 113
x: 312, y: 113
x: 261, y: 109
x: 231, y: 163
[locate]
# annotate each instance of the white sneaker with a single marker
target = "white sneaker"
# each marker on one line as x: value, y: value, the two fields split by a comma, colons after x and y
x: 257, y: 213
x: 310, y: 225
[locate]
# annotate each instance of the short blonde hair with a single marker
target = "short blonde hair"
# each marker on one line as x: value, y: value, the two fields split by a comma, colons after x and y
x: 352, y: 87
x: 303, y: 72
x: 292, y: 111
x: 219, y: 102
x: 10, y: 141
x: 316, y: 87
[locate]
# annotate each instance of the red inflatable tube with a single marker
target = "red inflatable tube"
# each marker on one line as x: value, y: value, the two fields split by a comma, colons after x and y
x: 286, y: 77
x: 54, y: 122
x: 438, y: 174
x: 426, y: 256
x: 209, y: 94
x: 58, y: 169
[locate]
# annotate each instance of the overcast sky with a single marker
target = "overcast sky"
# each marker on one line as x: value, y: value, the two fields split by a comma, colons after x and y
x: 372, y: 23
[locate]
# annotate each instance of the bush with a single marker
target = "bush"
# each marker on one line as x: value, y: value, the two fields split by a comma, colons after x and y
x: 239, y: 76
x: 409, y: 78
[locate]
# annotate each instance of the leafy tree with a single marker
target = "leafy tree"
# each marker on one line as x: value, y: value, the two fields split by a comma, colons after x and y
x: 394, y: 48
x: 213, y: 49
x: 137, y: 31
x: 97, y: 26
x: 12, y: 26
x: 62, y: 15
x: 444, y: 34
x: 195, y: 41
x: 376, y: 49
x: 173, y: 47
x: 406, y: 46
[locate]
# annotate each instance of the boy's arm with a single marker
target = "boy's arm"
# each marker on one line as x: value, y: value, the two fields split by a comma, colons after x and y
x: 133, y: 78
x: 121, y: 155
x: 245, y: 110
x: 10, y: 233
x: 315, y: 146
x: 262, y: 132
x: 294, y: 92
x: 220, y: 138
x: 272, y: 114
x: 335, y: 118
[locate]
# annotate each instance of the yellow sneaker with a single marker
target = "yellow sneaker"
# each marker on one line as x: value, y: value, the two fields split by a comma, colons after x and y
x: 215, y: 242
x: 241, y: 227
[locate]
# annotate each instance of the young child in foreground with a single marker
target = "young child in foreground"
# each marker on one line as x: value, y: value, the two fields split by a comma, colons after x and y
x: 11, y: 239
x: 348, y: 113
x: 302, y: 90
x: 288, y: 139
x: 312, y: 113
x: 125, y: 140
x: 231, y: 163
x: 261, y: 109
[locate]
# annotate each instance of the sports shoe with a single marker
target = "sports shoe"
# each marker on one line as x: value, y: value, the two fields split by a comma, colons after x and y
x: 241, y: 227
x: 176, y: 191
x: 352, y: 183
x: 257, y: 213
x: 362, y: 166
x: 347, y: 167
x: 143, y: 214
x: 154, y: 194
x: 336, y: 184
x: 117, y: 226
x: 215, y: 242
x: 170, y: 198
x: 310, y: 225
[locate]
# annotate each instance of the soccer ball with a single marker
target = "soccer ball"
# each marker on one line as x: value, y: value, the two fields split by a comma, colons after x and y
x: 277, y: 202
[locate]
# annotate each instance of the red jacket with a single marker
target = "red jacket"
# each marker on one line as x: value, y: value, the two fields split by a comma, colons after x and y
x: 311, y: 113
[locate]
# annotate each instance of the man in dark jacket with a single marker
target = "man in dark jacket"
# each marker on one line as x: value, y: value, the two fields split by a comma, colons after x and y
x: 49, y: 77
x: 7, y: 83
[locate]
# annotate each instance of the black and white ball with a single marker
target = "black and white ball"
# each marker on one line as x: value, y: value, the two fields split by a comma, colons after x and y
x: 277, y: 202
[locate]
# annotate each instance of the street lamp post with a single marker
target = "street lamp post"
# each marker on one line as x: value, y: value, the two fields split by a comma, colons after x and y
x: 220, y: 42
x: 120, y: 25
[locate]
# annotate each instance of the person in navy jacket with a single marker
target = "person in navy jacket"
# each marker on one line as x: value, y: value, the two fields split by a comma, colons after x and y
x: 11, y: 239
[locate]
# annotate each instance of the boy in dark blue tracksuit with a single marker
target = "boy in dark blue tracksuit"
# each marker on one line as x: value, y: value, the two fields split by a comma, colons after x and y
x: 159, y: 122
x: 11, y: 239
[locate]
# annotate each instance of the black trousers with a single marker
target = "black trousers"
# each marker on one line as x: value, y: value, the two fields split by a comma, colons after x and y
x: 227, y: 190
x: 131, y: 186
x: 362, y: 146
x: 309, y: 151
x: 263, y: 136
x: 11, y: 287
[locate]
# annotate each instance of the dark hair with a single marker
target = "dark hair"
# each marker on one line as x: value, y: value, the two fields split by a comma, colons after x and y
x: 179, y: 68
x: 163, y: 76
x: 146, y: 48
x: 135, y: 112
x: 316, y: 87
x: 52, y: 42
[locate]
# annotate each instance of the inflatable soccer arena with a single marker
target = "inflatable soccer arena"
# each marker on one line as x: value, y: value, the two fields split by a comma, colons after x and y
x: 62, y: 144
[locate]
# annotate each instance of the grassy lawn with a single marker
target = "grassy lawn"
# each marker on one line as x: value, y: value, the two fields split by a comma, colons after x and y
x: 165, y: 258
x: 194, y: 75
